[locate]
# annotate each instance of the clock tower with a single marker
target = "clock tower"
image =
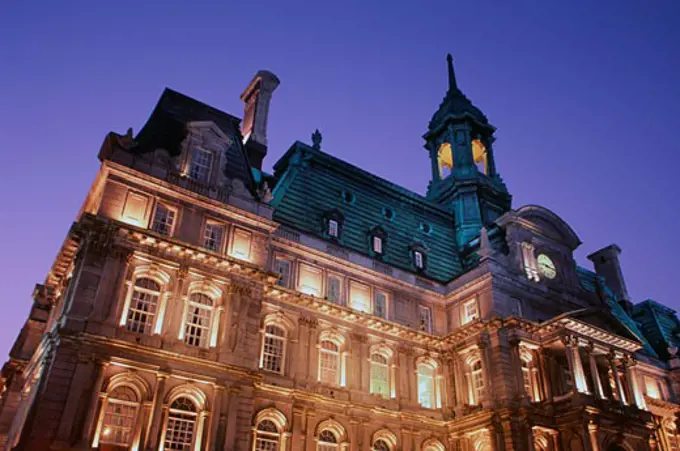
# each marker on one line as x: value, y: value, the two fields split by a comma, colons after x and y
x: 459, y: 141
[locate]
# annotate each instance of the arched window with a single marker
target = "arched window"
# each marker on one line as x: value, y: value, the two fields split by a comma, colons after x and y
x: 198, y: 320
x: 381, y: 445
x: 266, y: 436
x: 445, y: 160
x: 426, y: 385
x: 327, y: 441
x: 433, y: 445
x: 477, y: 377
x: 273, y: 349
x: 143, y: 306
x: 119, y: 417
x: 329, y: 362
x: 181, y: 425
x: 380, y: 375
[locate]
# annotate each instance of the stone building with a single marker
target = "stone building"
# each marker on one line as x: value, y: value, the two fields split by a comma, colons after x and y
x: 200, y: 303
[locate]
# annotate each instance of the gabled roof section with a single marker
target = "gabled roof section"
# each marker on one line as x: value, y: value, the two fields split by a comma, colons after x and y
x: 167, y: 127
x: 311, y: 183
x: 659, y: 324
x: 543, y: 221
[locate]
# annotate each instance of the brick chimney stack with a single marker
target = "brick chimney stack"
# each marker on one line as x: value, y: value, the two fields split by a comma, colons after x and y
x: 257, y: 97
x: 607, y: 265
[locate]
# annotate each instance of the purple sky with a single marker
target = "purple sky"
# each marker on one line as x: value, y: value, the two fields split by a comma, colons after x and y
x: 585, y: 96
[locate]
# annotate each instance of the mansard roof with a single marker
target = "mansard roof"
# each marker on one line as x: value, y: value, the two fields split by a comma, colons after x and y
x: 660, y: 324
x: 168, y: 124
x: 310, y: 183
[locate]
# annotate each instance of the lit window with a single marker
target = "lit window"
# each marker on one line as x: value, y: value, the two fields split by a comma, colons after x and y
x: 334, y: 289
x: 266, y: 436
x: 380, y: 380
x: 425, y: 319
x: 479, y: 156
x: 526, y: 378
x: 381, y: 445
x: 240, y: 246
x: 333, y: 228
x: 359, y: 297
x: 201, y: 163
x: 179, y: 433
x: 477, y: 376
x: 653, y: 387
x: 163, y: 219
x: 377, y: 244
x: 273, y: 349
x: 445, y: 160
x: 470, y: 311
x: 143, y: 305
x: 327, y: 441
x: 282, y: 266
x: 198, y: 320
x: 310, y: 280
x: 426, y: 385
x: 380, y: 304
x: 329, y: 363
x: 529, y: 261
x: 418, y: 259
x: 119, y: 417
x: 212, y: 236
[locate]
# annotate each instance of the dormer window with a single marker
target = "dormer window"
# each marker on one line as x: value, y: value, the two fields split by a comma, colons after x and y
x: 332, y: 222
x: 200, y: 165
x: 377, y: 244
x: 418, y: 259
x: 333, y: 228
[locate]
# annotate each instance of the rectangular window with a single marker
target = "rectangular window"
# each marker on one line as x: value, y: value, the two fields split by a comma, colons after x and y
x: 282, y: 266
x: 334, y: 289
x: 201, y: 163
x: 134, y: 211
x: 359, y: 297
x: 470, y: 311
x: 418, y: 259
x: 653, y: 387
x: 164, y: 219
x: 380, y: 304
x: 425, y: 319
x: 333, y: 228
x: 240, y: 246
x: 212, y: 236
x: 377, y: 245
x: 309, y: 280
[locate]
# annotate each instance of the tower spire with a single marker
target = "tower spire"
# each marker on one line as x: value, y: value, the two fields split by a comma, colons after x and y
x: 452, y: 76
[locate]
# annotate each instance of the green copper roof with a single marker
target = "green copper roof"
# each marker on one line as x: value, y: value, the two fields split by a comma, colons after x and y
x: 312, y: 184
x: 660, y: 324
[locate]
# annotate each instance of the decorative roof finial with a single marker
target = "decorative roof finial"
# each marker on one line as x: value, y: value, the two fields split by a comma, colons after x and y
x: 316, y: 139
x: 452, y: 76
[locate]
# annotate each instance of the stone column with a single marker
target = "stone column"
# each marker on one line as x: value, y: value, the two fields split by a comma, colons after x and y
x: 313, y: 356
x: 516, y: 362
x: 575, y: 365
x: 92, y: 408
x: 213, y: 427
x: 617, y: 380
x: 310, y: 442
x: 301, y: 365
x: 545, y: 372
x: 595, y: 373
x: 153, y: 426
x: 72, y: 410
x: 364, y: 361
x: 486, y: 368
x: 232, y: 411
x: 297, y: 437
x: 592, y: 436
x: 629, y: 364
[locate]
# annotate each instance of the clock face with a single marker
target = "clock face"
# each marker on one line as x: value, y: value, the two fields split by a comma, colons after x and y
x: 546, y: 266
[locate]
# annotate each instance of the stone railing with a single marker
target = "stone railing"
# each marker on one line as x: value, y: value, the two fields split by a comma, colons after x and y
x: 177, y: 178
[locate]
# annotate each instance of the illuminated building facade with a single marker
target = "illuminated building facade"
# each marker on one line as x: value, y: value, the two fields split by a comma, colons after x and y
x: 199, y: 303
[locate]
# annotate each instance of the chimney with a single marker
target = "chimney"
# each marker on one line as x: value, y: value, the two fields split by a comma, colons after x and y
x: 257, y: 96
x: 607, y: 265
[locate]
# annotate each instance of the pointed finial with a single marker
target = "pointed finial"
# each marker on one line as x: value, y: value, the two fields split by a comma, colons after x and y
x: 452, y: 76
x: 485, y: 248
x: 316, y: 139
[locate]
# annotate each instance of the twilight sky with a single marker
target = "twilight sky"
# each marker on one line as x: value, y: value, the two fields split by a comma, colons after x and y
x: 585, y: 96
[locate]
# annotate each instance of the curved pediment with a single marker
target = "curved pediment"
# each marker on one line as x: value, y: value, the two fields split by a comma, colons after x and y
x: 545, y: 222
